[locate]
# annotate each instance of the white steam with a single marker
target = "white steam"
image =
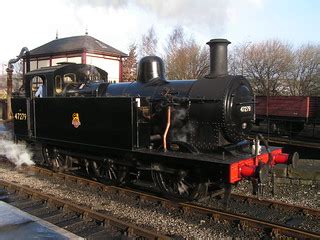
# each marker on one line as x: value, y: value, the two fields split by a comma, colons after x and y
x: 181, y: 128
x: 18, y: 154
x: 212, y: 14
x: 181, y: 134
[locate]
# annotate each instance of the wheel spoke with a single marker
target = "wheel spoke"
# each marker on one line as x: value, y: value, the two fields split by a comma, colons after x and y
x: 53, y: 159
x: 86, y: 166
x: 113, y: 174
x: 106, y: 171
x: 183, y: 188
x: 179, y: 187
x: 47, y: 154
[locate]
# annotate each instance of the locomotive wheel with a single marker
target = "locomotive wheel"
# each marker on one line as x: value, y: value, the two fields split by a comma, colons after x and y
x: 85, y: 165
x: 53, y: 159
x: 47, y: 155
x: 109, y: 172
x: 179, y: 185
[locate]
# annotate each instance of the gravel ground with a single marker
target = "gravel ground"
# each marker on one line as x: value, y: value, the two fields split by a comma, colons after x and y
x: 296, y: 194
x: 153, y: 216
x: 274, y: 214
x: 171, y: 222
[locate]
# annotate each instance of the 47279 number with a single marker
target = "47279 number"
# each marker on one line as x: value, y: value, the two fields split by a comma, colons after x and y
x: 20, y: 116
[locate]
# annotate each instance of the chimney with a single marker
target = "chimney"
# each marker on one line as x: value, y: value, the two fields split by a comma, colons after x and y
x: 218, y: 57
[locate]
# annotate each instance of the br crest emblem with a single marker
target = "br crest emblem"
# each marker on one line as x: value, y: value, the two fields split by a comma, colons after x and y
x: 76, y: 120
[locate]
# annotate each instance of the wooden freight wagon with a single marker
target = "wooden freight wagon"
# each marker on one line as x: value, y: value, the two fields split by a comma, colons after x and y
x: 294, y: 108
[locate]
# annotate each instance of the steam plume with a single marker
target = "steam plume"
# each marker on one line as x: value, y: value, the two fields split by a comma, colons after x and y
x: 212, y: 14
x: 15, y: 153
x: 181, y: 128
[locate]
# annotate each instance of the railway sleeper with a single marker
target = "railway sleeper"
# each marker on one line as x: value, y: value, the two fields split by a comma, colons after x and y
x: 48, y: 213
x: 61, y: 217
x: 67, y: 223
x: 35, y: 206
x: 4, y: 195
x: 42, y: 211
x: 85, y: 228
x: 75, y: 225
x: 26, y: 203
x: 106, y: 233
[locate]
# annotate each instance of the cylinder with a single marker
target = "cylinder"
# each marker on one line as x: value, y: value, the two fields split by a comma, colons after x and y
x: 218, y: 57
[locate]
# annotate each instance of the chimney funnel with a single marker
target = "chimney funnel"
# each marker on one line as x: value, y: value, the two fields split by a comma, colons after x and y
x: 218, y: 57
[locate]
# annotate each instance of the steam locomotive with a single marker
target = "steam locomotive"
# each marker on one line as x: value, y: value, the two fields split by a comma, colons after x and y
x: 187, y: 138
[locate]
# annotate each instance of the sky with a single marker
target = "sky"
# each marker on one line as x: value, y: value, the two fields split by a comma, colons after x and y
x: 119, y: 23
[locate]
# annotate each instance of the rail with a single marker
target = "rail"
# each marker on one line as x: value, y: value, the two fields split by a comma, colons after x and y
x: 215, y: 213
x: 129, y: 229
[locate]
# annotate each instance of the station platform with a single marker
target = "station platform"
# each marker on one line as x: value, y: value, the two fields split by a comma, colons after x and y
x: 16, y: 224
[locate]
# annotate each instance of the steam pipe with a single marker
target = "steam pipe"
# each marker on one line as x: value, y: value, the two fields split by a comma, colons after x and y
x: 14, y: 60
x: 218, y: 57
x: 9, y: 78
x: 167, y: 129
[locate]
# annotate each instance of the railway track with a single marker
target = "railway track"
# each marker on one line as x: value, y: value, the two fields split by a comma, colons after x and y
x: 244, y: 212
x: 301, y: 142
x: 307, y: 148
x: 275, y: 216
x: 77, y: 219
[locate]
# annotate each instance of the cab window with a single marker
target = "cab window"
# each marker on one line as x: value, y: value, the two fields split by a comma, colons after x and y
x: 69, y: 78
x: 35, y: 84
x: 58, y: 84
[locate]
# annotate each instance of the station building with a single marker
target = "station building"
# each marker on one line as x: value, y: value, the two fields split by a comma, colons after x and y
x: 79, y: 49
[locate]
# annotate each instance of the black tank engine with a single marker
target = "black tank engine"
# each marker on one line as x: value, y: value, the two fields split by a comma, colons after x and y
x: 186, y: 137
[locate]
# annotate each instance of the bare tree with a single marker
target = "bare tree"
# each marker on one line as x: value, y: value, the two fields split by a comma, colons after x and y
x: 130, y: 65
x: 317, y: 87
x: 184, y: 58
x: 304, y: 77
x: 238, y: 59
x: 17, y: 78
x: 149, y: 43
x: 266, y: 64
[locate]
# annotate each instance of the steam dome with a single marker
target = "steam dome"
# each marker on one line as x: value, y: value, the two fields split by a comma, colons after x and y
x: 149, y: 68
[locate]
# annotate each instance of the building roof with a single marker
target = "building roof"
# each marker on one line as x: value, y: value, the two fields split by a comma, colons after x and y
x: 83, y: 43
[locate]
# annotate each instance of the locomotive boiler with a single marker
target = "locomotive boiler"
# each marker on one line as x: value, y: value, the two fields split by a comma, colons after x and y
x: 187, y: 138
x: 208, y: 113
